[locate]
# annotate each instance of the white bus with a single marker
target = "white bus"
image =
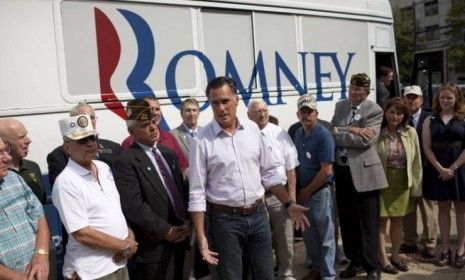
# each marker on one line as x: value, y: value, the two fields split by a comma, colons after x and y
x: 56, y: 53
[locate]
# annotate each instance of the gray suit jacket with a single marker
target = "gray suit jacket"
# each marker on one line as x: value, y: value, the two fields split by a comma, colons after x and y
x: 365, y: 165
x: 182, y: 136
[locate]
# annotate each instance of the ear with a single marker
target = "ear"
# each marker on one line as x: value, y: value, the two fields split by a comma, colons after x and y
x: 66, y: 147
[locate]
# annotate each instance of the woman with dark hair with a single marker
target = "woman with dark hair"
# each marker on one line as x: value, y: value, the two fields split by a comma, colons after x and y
x: 399, y: 151
x: 444, y: 181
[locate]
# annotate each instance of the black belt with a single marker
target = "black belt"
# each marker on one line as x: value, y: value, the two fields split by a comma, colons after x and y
x: 244, y: 211
x: 447, y: 145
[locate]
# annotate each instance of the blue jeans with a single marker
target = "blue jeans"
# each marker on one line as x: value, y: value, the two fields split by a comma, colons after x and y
x: 319, y: 237
x: 234, y: 235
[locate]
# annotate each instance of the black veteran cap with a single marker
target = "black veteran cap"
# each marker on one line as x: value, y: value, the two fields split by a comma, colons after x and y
x: 360, y: 80
x: 139, y: 110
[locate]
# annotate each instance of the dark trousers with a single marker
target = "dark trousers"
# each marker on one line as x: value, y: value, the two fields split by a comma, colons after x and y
x: 359, y: 221
x: 171, y: 269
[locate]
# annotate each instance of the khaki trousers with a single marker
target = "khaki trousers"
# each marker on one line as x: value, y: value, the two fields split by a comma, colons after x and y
x: 429, y: 217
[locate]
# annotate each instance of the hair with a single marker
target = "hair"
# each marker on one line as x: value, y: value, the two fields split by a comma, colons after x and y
x: 192, y: 101
x: 219, y: 82
x: 399, y: 104
x: 153, y: 98
x: 273, y: 119
x: 459, y: 106
x: 384, y: 71
x: 255, y: 102
x: 75, y: 110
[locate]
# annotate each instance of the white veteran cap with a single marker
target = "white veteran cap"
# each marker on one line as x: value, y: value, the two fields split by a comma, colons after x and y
x: 307, y: 101
x: 413, y: 90
x: 77, y: 127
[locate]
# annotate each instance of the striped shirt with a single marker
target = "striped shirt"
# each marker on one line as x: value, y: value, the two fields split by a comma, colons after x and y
x: 230, y: 170
x: 20, y: 211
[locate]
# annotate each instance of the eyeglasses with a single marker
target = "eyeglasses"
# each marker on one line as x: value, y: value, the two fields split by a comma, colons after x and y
x: 84, y: 141
x: 5, y: 151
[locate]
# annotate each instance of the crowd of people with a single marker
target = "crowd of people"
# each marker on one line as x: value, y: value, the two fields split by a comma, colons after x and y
x: 232, y: 191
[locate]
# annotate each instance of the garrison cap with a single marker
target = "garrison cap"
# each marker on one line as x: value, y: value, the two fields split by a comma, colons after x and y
x: 360, y: 80
x: 139, y: 110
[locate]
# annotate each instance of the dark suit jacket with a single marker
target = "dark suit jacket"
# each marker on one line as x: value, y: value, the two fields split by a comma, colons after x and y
x: 58, y: 159
x: 419, y: 129
x: 145, y: 201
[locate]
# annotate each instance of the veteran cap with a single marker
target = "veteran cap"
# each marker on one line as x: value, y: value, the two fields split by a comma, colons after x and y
x: 76, y: 127
x: 360, y: 80
x: 307, y: 101
x: 416, y: 90
x: 139, y: 110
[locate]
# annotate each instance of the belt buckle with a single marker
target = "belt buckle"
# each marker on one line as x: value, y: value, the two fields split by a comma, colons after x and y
x: 248, y: 210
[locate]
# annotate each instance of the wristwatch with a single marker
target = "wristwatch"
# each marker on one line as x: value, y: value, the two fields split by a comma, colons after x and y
x: 127, y: 250
x: 289, y: 203
x: 40, y: 251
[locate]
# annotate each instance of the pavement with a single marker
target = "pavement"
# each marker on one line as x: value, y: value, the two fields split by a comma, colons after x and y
x: 420, y: 268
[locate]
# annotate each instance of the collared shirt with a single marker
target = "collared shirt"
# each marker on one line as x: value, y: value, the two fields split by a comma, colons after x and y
x: 313, y: 149
x: 82, y: 201
x: 190, y: 131
x: 149, y: 152
x: 32, y: 175
x: 416, y: 118
x: 20, y: 211
x: 281, y: 148
x: 230, y: 170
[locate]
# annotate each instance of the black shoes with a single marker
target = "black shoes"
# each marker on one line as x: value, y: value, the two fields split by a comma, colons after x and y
x: 389, y: 269
x: 459, y: 261
x: 428, y: 253
x: 408, y: 249
x: 400, y: 265
x: 373, y: 275
x: 351, y: 271
x: 444, y: 258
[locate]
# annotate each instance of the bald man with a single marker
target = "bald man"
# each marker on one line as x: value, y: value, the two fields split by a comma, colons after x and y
x: 15, y: 134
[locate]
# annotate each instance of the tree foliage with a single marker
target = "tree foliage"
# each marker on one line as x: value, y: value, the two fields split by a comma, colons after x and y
x: 456, y: 34
x: 404, y: 36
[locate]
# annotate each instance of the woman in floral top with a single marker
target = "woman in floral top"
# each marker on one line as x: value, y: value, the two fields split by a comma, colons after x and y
x: 399, y: 151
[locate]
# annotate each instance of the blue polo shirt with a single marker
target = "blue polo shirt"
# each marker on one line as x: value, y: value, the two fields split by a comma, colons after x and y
x: 312, y: 150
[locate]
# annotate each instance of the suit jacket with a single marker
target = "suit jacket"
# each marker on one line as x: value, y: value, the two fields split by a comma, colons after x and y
x: 419, y: 130
x: 365, y: 165
x: 182, y: 136
x: 58, y: 159
x: 145, y: 201
x: 411, y: 144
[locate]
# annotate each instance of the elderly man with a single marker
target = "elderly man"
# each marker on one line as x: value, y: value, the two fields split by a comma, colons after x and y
x: 107, y: 150
x: 165, y: 138
x: 153, y: 197
x: 359, y: 176
x: 88, y: 202
x: 315, y: 147
x: 15, y: 134
x: 189, y: 127
x: 385, y: 78
x: 284, y: 156
x: 230, y: 168
x: 428, y: 209
x: 25, y: 237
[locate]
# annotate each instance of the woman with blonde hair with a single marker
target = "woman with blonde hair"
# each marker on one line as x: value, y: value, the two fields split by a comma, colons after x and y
x: 444, y: 179
x: 399, y: 151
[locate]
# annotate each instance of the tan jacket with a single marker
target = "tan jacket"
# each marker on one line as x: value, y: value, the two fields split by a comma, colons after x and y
x: 411, y: 144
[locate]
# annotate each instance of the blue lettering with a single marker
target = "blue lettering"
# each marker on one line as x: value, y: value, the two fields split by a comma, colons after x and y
x: 319, y: 75
x: 259, y: 68
x: 170, y: 78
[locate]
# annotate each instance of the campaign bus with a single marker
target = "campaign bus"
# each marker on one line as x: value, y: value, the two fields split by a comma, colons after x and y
x: 57, y: 53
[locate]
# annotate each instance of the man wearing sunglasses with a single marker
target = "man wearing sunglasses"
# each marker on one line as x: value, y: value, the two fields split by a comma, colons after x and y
x: 88, y: 202
x: 107, y: 150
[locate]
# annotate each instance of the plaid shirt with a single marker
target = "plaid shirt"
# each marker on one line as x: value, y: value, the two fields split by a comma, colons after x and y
x: 19, y: 213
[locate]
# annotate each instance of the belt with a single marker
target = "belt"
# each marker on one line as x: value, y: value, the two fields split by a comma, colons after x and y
x: 447, y: 145
x: 244, y: 211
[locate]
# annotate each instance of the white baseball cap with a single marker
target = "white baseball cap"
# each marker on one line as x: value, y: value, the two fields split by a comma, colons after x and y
x: 416, y: 90
x: 77, y: 127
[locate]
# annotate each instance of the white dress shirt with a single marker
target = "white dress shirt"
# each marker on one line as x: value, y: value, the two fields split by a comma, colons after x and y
x: 230, y: 170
